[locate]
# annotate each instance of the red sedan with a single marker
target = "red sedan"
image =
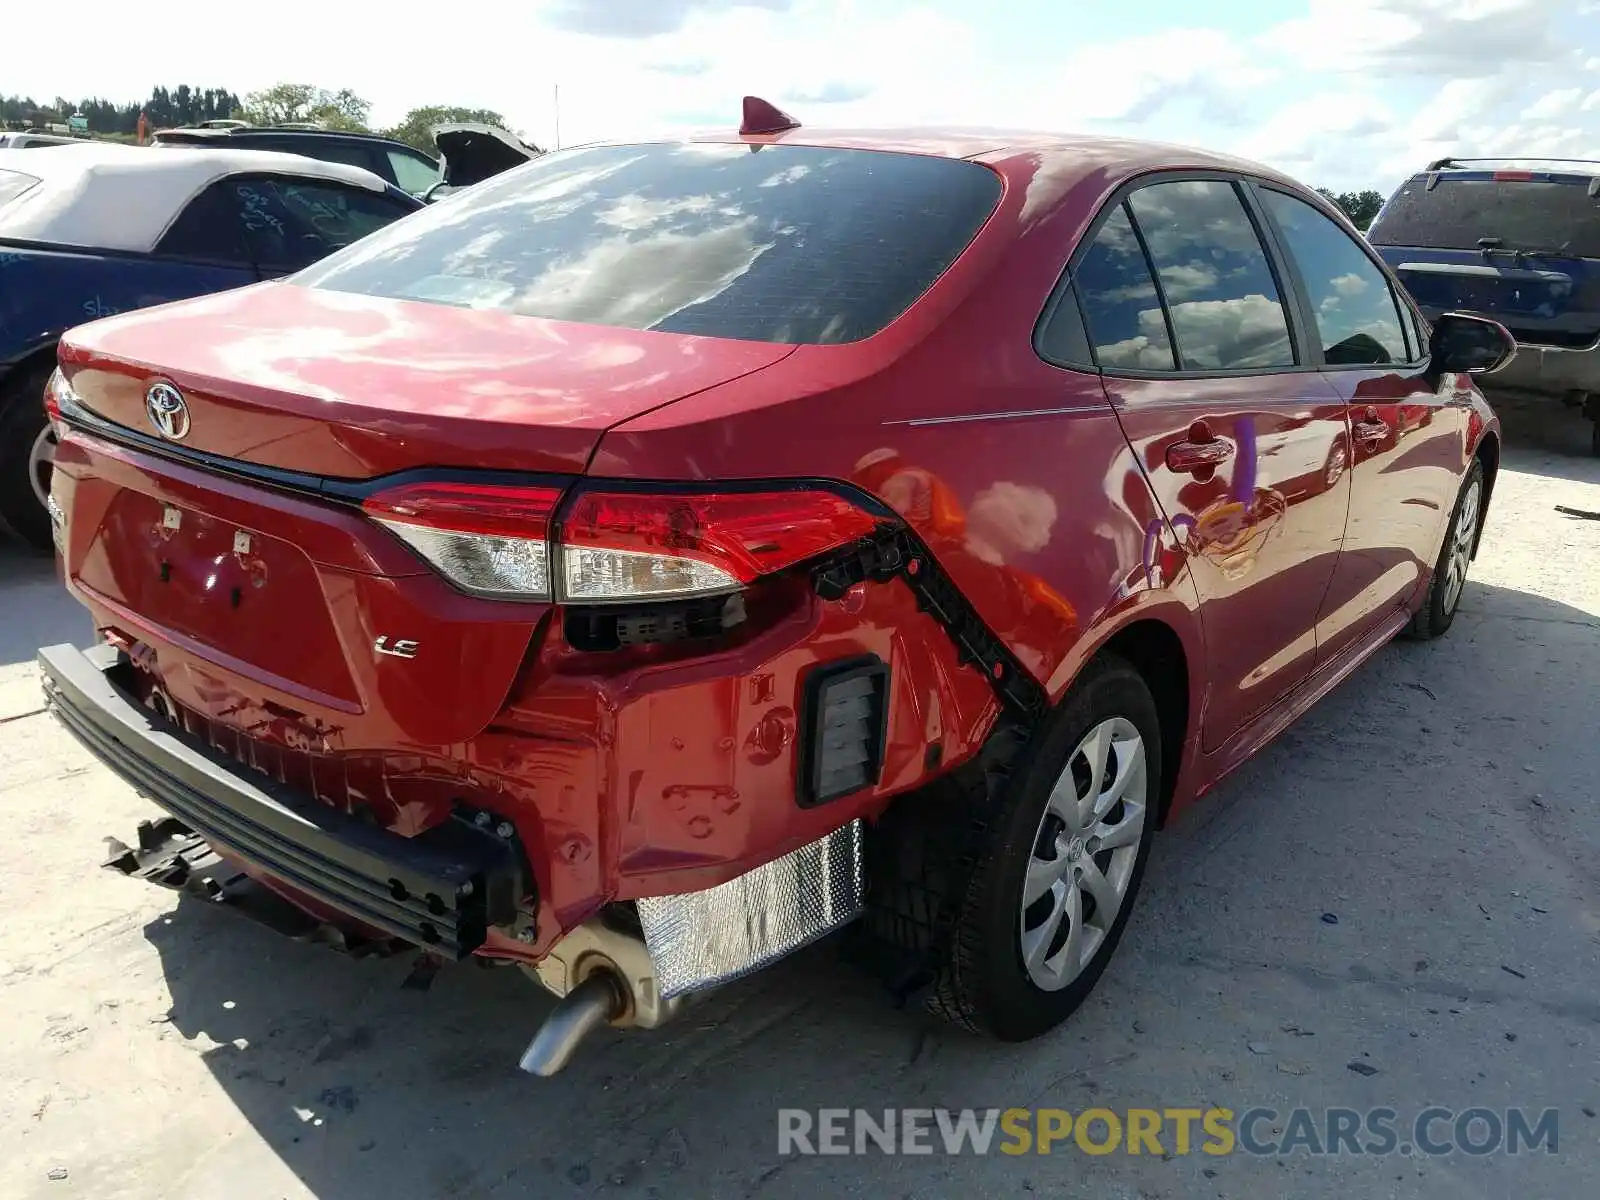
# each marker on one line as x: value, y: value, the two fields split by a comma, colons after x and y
x: 662, y: 555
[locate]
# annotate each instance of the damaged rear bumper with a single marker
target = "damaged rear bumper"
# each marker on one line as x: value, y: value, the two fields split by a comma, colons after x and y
x: 440, y: 890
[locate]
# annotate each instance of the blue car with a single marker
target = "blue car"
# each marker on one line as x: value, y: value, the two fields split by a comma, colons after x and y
x: 95, y: 228
x: 1517, y: 241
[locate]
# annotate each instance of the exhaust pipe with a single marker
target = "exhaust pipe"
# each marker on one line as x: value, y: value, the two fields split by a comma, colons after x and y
x: 593, y: 1003
x: 604, y: 976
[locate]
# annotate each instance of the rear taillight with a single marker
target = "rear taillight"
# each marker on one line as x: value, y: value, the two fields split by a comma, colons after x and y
x: 58, y: 395
x: 613, y: 546
x: 635, y: 546
x: 487, y: 539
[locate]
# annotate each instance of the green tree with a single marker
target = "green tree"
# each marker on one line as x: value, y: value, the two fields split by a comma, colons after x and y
x: 1360, y: 207
x: 285, y: 102
x: 414, y: 130
x: 182, y: 105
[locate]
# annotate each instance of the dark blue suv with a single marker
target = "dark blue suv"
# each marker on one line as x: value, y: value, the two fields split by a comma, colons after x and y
x: 1521, y: 246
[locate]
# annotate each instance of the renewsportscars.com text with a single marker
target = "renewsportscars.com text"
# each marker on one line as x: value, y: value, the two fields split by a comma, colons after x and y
x: 1430, y: 1132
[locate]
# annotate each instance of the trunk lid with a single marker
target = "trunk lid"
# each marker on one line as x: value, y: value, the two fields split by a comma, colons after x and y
x: 236, y: 555
x: 473, y: 152
x: 332, y: 384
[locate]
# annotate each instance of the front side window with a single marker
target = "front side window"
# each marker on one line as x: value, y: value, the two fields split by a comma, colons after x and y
x: 1227, y: 313
x: 1356, y: 313
x: 412, y: 173
x: 792, y: 244
x: 1126, y: 325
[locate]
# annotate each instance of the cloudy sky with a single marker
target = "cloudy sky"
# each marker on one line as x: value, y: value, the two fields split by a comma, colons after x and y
x: 1341, y: 93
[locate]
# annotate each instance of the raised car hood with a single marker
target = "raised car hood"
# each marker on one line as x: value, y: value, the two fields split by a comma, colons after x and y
x: 333, y: 384
x: 473, y: 152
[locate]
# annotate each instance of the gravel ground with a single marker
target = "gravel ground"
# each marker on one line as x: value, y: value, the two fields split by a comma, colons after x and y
x: 1407, y: 881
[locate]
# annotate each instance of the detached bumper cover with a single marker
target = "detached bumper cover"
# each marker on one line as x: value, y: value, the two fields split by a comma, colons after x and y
x: 440, y: 890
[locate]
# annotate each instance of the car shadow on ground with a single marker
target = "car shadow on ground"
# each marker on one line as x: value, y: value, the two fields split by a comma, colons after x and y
x: 1545, y: 437
x: 1251, y: 917
x: 36, y: 612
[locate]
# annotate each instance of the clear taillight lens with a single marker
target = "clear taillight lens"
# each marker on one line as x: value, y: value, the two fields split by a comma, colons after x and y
x: 487, y: 539
x: 613, y: 546
x: 58, y: 395
x: 640, y: 546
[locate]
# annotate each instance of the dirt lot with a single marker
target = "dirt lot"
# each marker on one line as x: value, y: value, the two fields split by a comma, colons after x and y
x: 1439, y: 806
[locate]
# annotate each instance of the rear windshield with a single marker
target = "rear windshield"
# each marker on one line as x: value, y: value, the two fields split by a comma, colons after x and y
x: 1524, y: 215
x: 13, y: 184
x: 790, y: 244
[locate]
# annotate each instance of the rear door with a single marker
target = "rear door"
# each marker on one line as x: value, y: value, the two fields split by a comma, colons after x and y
x: 1408, y: 438
x: 1244, y: 441
x: 1522, y: 247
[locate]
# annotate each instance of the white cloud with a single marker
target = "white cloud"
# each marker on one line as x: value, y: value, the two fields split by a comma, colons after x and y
x: 1553, y: 104
x: 1342, y: 93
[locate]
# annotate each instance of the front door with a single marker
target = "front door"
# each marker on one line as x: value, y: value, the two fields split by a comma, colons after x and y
x: 1244, y: 444
x: 1407, y: 437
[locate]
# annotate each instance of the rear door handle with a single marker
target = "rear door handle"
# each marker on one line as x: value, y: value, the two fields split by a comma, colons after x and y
x: 1371, y: 428
x: 1190, y: 457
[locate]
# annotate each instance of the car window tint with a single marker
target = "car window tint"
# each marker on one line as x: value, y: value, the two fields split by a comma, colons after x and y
x: 208, y: 228
x: 1120, y: 305
x: 1227, y: 314
x: 792, y: 244
x: 411, y: 173
x: 290, y: 223
x: 325, y: 149
x: 1553, y: 216
x: 1356, y: 314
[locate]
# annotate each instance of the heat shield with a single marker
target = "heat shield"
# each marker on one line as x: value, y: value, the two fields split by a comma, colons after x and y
x: 700, y: 939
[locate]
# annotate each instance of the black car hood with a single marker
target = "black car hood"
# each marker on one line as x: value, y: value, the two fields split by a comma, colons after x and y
x: 472, y: 152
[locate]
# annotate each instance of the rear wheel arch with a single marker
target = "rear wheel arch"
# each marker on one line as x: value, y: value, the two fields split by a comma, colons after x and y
x: 40, y: 358
x: 22, y: 433
x: 1155, y: 650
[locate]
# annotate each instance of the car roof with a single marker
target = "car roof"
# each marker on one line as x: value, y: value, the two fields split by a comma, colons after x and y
x: 10, y: 136
x: 110, y: 196
x: 237, y: 133
x: 1000, y: 143
x: 1047, y: 164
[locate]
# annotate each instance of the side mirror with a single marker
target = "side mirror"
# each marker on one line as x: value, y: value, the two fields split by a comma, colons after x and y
x: 1474, y: 345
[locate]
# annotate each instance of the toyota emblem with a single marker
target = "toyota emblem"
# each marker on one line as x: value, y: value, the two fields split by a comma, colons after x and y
x: 165, y: 407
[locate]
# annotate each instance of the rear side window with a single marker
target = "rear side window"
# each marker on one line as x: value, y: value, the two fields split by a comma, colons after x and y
x: 1126, y: 325
x: 792, y: 244
x: 1226, y: 312
x: 208, y: 228
x: 354, y: 154
x: 1355, y: 309
x: 13, y: 184
x: 1560, y: 218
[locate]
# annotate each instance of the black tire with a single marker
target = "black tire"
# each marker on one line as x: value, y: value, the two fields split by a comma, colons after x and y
x: 1439, y: 607
x: 1594, y: 438
x: 22, y: 420
x: 983, y: 983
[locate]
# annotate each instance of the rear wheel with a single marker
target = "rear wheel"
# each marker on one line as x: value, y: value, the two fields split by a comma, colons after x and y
x: 1056, y: 880
x: 1438, y: 611
x: 27, y: 454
